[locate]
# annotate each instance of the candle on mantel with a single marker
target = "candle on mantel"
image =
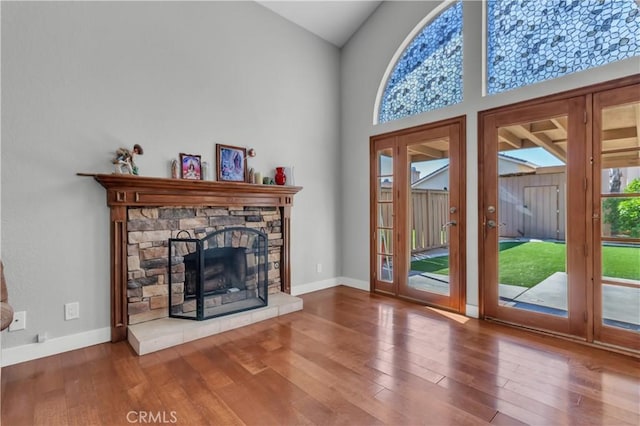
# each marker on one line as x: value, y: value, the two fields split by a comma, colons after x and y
x: 257, y: 178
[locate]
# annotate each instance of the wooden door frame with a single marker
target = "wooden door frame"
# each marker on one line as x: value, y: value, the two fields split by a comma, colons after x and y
x: 458, y: 260
x: 485, y: 120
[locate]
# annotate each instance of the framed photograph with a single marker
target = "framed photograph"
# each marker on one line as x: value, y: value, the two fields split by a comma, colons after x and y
x: 231, y: 164
x: 190, y: 166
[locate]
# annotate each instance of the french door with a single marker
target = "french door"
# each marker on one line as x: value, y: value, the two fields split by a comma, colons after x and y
x: 533, y: 232
x: 559, y: 215
x: 417, y: 214
x: 616, y: 217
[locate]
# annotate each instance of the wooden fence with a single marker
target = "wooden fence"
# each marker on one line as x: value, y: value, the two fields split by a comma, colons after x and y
x: 430, y: 211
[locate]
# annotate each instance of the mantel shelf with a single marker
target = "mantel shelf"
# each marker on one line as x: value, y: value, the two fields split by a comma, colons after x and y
x: 129, y: 190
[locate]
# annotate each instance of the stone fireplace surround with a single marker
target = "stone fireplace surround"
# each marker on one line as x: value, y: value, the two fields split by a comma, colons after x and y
x: 137, y: 247
x: 149, y: 229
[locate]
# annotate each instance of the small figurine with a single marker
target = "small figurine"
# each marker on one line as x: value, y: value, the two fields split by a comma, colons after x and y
x: 123, y: 161
x: 175, y: 169
x: 205, y: 171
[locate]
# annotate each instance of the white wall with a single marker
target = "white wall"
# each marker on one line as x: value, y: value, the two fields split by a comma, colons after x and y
x: 364, y: 61
x: 80, y: 79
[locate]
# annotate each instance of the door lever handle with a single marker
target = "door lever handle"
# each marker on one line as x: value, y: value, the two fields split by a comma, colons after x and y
x: 450, y: 223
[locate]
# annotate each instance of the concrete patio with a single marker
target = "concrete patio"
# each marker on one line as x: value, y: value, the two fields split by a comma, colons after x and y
x: 621, y: 305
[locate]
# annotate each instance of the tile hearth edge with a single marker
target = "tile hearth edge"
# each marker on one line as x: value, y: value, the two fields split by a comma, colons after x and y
x: 152, y: 336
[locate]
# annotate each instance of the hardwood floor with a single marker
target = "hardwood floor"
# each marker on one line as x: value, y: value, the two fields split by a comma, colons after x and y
x: 348, y: 358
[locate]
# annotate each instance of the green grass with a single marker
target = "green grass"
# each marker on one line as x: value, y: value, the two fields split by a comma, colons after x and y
x: 621, y: 262
x: 437, y: 265
x: 528, y: 263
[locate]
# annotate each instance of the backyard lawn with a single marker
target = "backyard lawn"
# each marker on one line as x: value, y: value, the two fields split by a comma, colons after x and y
x: 528, y: 263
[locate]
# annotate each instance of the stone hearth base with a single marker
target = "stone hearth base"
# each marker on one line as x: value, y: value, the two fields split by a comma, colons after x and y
x: 164, y: 333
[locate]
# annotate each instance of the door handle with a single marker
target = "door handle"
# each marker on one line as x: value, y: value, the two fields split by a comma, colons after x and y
x: 491, y: 223
x: 450, y: 223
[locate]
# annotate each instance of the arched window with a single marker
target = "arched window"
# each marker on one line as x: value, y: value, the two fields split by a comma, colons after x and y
x: 428, y: 74
x: 532, y: 41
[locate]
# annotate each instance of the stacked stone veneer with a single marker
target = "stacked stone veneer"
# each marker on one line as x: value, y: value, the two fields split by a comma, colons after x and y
x: 149, y: 230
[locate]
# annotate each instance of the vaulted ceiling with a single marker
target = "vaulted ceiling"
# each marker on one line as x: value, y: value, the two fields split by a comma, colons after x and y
x: 334, y: 21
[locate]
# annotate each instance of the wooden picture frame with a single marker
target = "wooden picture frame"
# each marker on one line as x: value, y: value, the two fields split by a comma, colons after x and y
x: 190, y: 166
x: 231, y: 163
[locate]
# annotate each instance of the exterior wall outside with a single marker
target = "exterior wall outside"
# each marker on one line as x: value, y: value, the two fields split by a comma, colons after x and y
x: 364, y: 61
x: 81, y: 79
x: 439, y: 180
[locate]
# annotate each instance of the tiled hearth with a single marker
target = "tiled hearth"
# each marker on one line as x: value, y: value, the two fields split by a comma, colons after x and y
x: 152, y: 336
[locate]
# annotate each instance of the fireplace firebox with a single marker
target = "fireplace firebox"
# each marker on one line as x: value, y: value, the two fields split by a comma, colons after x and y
x: 223, y: 273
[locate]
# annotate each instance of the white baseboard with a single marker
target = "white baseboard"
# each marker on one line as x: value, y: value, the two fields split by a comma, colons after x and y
x: 472, y: 311
x: 297, y: 290
x: 351, y: 282
x: 54, y: 346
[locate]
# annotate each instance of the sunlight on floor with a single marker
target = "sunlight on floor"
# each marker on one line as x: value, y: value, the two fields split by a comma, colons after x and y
x: 456, y: 317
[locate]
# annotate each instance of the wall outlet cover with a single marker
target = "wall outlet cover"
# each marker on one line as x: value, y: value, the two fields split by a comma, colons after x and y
x: 19, y: 321
x: 71, y: 311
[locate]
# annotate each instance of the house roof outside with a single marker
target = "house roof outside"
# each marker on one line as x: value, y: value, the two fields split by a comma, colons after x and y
x: 430, y: 176
x: 504, y: 157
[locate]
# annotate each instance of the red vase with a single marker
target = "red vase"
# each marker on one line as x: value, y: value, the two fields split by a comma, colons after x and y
x: 281, y: 178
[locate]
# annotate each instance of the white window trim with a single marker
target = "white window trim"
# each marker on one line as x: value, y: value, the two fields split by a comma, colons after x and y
x: 485, y: 48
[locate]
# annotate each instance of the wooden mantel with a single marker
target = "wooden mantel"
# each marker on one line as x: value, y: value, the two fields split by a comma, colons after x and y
x: 124, y: 191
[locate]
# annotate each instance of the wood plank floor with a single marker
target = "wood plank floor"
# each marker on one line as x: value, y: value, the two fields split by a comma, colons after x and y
x: 349, y: 358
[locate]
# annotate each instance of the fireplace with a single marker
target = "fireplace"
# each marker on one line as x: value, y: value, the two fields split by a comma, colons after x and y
x: 139, y: 256
x: 222, y: 273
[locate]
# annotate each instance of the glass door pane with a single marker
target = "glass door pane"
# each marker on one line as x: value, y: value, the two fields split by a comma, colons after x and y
x: 428, y: 207
x: 531, y: 216
x: 617, y: 248
x: 384, y: 217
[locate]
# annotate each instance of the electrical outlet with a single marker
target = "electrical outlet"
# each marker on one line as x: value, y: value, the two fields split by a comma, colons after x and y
x: 19, y: 321
x: 319, y: 267
x: 71, y: 311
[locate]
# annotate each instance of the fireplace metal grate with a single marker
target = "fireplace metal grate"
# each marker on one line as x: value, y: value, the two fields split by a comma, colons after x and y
x: 220, y: 274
